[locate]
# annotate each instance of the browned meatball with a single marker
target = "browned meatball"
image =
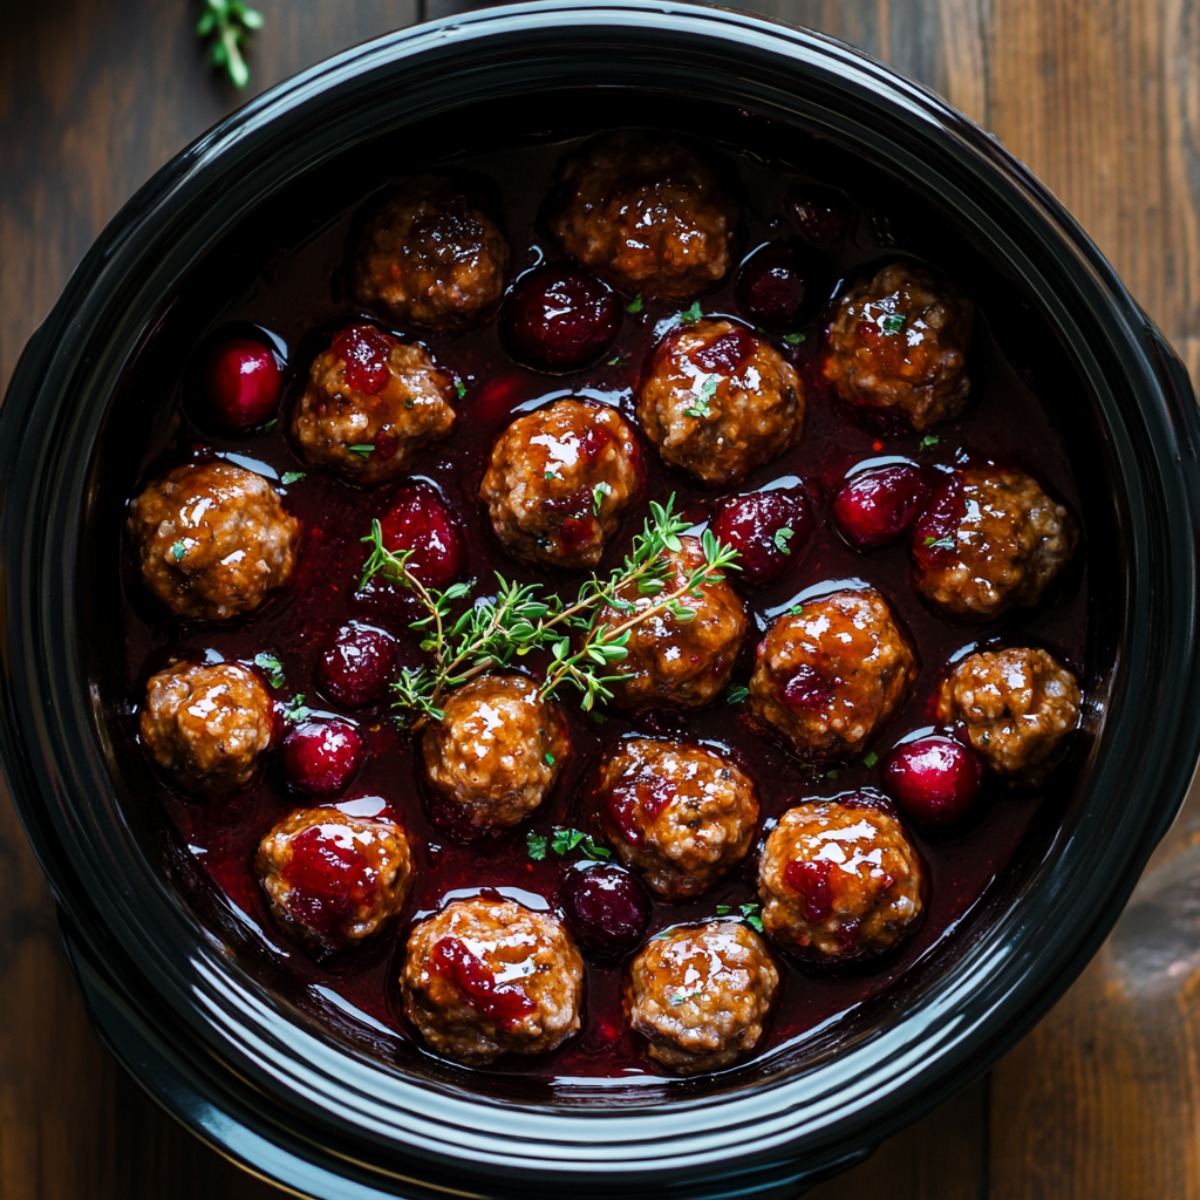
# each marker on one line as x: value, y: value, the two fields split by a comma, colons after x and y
x: 431, y: 256
x: 1016, y: 706
x: 371, y: 405
x: 990, y: 540
x: 839, y: 880
x: 498, y: 750
x: 332, y: 879
x: 828, y: 676
x: 898, y: 342
x: 717, y: 401
x: 488, y: 977
x: 560, y: 481
x: 212, y: 540
x: 681, y: 813
x: 207, y: 724
x: 673, y: 663
x: 700, y: 995
x: 647, y: 211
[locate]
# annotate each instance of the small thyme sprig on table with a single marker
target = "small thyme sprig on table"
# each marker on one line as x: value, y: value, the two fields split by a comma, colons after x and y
x: 521, y: 618
x: 229, y: 23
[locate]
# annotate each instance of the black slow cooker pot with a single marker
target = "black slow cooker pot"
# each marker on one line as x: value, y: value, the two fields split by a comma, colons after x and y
x: 253, y: 1074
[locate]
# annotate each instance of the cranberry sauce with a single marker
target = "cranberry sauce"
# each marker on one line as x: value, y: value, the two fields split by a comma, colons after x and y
x: 297, y: 299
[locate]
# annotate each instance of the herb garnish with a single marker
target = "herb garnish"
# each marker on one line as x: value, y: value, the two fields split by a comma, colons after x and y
x: 535, y: 845
x: 893, y: 322
x: 295, y: 709
x: 677, y: 998
x: 460, y: 388
x: 736, y: 695
x: 795, y: 610
x: 549, y: 758
x: 782, y: 537
x: 229, y: 23
x: 598, y: 493
x: 178, y: 551
x: 750, y: 916
x: 930, y: 439
x: 691, y: 314
x: 939, y: 543
x: 363, y: 449
x: 870, y: 759
x: 793, y: 339
x: 562, y: 841
x: 290, y: 477
x: 636, y: 305
x: 708, y: 389
x: 272, y: 667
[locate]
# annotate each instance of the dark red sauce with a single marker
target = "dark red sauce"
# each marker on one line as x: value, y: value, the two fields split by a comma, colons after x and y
x: 505, y: 1003
x: 298, y: 297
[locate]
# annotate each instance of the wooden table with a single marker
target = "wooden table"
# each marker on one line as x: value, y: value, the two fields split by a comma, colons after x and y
x: 1102, y: 99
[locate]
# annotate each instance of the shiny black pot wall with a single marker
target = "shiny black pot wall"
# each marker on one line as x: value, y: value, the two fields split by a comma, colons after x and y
x: 196, y: 1022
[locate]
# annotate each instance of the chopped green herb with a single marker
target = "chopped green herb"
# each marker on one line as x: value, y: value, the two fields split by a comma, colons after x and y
x: 940, y: 543
x: 460, y: 388
x: 296, y: 709
x: 270, y: 424
x: 227, y: 24
x: 551, y: 475
x: 723, y: 910
x: 179, y: 550
x: 273, y: 668
x: 363, y: 448
x: 678, y: 998
x: 535, y: 845
x: 708, y: 389
x: 736, y: 695
x: 870, y: 759
x: 795, y: 610
x: 782, y: 537
x: 793, y: 339
x: 615, y: 361
x: 598, y: 493
x: 563, y: 841
x: 290, y: 477
x: 636, y: 305
x: 549, y: 758
x: 691, y: 314
x: 893, y: 322
x: 930, y: 439
x: 831, y: 775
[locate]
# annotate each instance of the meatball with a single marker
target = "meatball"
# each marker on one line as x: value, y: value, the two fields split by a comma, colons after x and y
x: 331, y: 879
x: 839, y: 879
x: 700, y: 994
x: 560, y: 481
x: 990, y: 540
x: 673, y: 663
x: 431, y: 256
x: 718, y: 401
x: 830, y: 673
x: 1016, y: 707
x: 207, y: 724
x: 898, y: 344
x: 681, y: 813
x: 372, y: 403
x: 497, y: 751
x: 647, y: 211
x: 487, y: 977
x: 212, y: 540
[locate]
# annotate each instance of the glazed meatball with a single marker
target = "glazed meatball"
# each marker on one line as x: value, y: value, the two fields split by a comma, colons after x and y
x: 212, y: 540
x: 332, y: 880
x: 673, y: 663
x: 488, y: 977
x: 718, y: 401
x: 680, y: 813
x: 839, y: 879
x: 497, y: 752
x: 372, y: 403
x: 1016, y: 707
x: 560, y: 481
x: 431, y: 256
x: 990, y: 540
x: 831, y: 673
x: 207, y: 724
x: 700, y: 995
x: 646, y: 211
x: 898, y: 343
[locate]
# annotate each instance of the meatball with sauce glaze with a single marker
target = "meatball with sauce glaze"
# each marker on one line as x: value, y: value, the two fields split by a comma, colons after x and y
x: 839, y: 879
x: 1016, y: 706
x: 680, y: 813
x: 829, y: 675
x: 331, y: 879
x: 701, y: 994
x: 673, y: 663
x: 647, y: 211
x: 497, y: 751
x: 212, y: 540
x: 488, y: 977
x: 207, y: 724
x: 560, y: 481
x: 990, y: 540
x: 372, y: 403
x: 431, y: 256
x: 898, y: 343
x: 718, y: 401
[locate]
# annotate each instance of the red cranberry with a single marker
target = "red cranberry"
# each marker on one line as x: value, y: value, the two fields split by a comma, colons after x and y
x: 505, y: 1003
x: 321, y: 757
x: 559, y: 318
x: 419, y: 520
x: 365, y: 352
x: 779, y: 286
x: 606, y: 908
x: 769, y: 530
x: 935, y: 533
x: 821, y: 214
x: 357, y: 664
x: 875, y: 507
x: 935, y: 780
x: 807, y: 688
x: 811, y: 882
x: 244, y: 382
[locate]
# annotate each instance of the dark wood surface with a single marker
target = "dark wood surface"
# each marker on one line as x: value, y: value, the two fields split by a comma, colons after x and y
x: 1102, y: 99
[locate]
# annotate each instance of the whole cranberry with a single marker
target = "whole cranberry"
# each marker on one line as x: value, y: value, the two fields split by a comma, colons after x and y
x: 821, y: 214
x: 357, y: 665
x: 320, y: 757
x: 243, y: 383
x: 419, y: 520
x: 876, y: 506
x: 606, y: 908
x: 779, y: 285
x: 560, y: 318
x: 934, y: 780
x: 769, y: 530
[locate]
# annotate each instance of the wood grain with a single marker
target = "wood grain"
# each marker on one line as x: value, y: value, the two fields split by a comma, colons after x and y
x: 1102, y: 99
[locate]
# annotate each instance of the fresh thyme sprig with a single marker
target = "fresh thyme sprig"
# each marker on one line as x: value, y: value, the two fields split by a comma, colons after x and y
x: 228, y: 23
